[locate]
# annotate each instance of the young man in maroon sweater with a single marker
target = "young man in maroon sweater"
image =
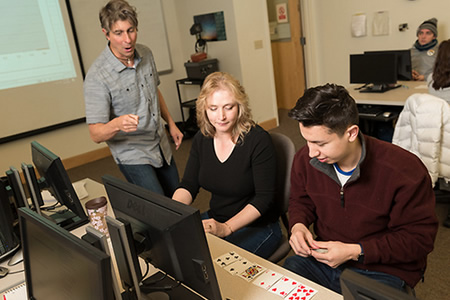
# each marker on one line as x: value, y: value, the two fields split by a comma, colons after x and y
x: 371, y: 202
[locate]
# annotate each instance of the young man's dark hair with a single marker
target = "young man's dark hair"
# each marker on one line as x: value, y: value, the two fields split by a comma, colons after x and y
x: 329, y: 105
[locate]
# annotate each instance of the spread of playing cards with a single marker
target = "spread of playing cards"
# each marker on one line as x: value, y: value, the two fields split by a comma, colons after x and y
x: 269, y: 280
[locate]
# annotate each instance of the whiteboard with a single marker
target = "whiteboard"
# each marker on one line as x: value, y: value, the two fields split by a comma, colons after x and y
x: 151, y: 30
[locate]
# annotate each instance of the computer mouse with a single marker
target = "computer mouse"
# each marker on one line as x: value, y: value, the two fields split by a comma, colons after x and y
x: 387, y: 114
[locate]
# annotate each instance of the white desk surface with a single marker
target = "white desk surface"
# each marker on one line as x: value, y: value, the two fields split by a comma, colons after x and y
x: 232, y: 287
x: 235, y: 288
x: 395, y: 97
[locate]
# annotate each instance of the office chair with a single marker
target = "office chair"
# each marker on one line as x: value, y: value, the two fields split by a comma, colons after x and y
x: 285, y: 151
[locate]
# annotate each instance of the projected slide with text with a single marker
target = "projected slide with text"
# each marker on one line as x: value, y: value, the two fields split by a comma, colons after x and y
x: 34, y: 46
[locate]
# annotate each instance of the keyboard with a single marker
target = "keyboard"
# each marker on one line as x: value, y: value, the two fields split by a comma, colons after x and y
x: 369, y: 111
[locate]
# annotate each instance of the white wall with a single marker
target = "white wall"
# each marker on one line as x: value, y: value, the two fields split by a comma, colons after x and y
x: 245, y: 21
x: 256, y: 64
x: 327, y: 24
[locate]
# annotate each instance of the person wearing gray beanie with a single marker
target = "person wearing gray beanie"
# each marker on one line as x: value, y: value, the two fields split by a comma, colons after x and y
x: 430, y: 24
x: 424, y: 50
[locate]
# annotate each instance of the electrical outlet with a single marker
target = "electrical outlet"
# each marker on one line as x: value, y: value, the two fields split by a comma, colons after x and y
x: 258, y: 44
x: 403, y: 27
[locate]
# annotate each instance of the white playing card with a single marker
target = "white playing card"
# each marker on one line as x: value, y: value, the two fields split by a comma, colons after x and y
x: 283, y: 286
x: 252, y: 272
x: 301, y: 292
x: 238, y: 266
x: 321, y: 250
x: 227, y: 258
x: 267, y: 279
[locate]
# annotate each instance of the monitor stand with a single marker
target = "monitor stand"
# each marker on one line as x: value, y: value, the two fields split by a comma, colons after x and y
x: 379, y: 88
x: 64, y: 217
x: 155, y: 288
x: 16, y: 258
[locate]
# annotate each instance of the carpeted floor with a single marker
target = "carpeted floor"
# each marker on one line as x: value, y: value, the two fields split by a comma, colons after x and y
x: 436, y: 285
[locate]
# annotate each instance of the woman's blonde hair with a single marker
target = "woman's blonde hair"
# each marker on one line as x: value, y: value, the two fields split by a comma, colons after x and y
x: 223, y: 81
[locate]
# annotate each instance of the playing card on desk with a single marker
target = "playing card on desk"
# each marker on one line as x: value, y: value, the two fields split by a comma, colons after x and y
x: 227, y: 258
x: 238, y: 266
x: 267, y: 279
x: 301, y: 292
x: 252, y: 271
x: 283, y: 286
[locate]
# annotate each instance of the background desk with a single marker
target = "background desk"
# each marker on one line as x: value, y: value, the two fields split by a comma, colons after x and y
x: 390, y: 101
x: 232, y: 287
x: 395, y: 97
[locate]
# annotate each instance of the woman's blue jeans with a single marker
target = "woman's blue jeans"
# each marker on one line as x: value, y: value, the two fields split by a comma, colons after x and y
x: 262, y: 241
x: 162, y: 180
x: 328, y: 277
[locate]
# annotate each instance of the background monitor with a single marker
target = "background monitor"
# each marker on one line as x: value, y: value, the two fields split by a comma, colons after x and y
x: 59, y: 265
x: 377, y: 69
x: 16, y: 186
x: 55, y: 178
x: 33, y: 186
x: 359, y: 287
x: 404, y: 68
x: 170, y: 234
x: 9, y: 242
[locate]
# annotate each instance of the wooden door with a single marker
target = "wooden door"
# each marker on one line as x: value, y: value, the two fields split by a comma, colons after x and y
x: 288, y: 62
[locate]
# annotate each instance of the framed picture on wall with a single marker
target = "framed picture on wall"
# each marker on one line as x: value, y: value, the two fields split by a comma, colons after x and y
x: 213, y: 26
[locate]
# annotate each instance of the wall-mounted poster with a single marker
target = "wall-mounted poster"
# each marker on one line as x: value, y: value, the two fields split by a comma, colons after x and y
x: 282, y: 14
x: 213, y: 26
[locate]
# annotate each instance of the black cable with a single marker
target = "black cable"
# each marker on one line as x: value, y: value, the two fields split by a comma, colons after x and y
x: 149, y: 287
x: 16, y: 272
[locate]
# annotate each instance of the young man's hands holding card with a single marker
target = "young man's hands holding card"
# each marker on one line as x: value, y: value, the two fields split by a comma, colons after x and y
x: 336, y: 253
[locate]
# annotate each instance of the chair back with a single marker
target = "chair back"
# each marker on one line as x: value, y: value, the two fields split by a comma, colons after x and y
x: 285, y: 151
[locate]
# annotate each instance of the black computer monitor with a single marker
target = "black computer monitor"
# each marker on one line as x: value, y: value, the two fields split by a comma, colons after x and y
x: 169, y: 234
x: 33, y: 187
x: 55, y: 178
x: 59, y: 265
x: 377, y: 69
x: 15, y: 183
x: 121, y: 235
x: 9, y: 242
x: 100, y: 241
x: 355, y: 286
x: 404, y: 68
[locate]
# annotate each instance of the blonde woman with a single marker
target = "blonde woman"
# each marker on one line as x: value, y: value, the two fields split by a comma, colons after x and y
x: 233, y: 159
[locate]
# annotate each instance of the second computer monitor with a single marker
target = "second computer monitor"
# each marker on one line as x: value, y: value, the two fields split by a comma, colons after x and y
x: 404, y: 69
x: 56, y: 179
x: 170, y: 232
x: 59, y: 265
x: 374, y: 68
